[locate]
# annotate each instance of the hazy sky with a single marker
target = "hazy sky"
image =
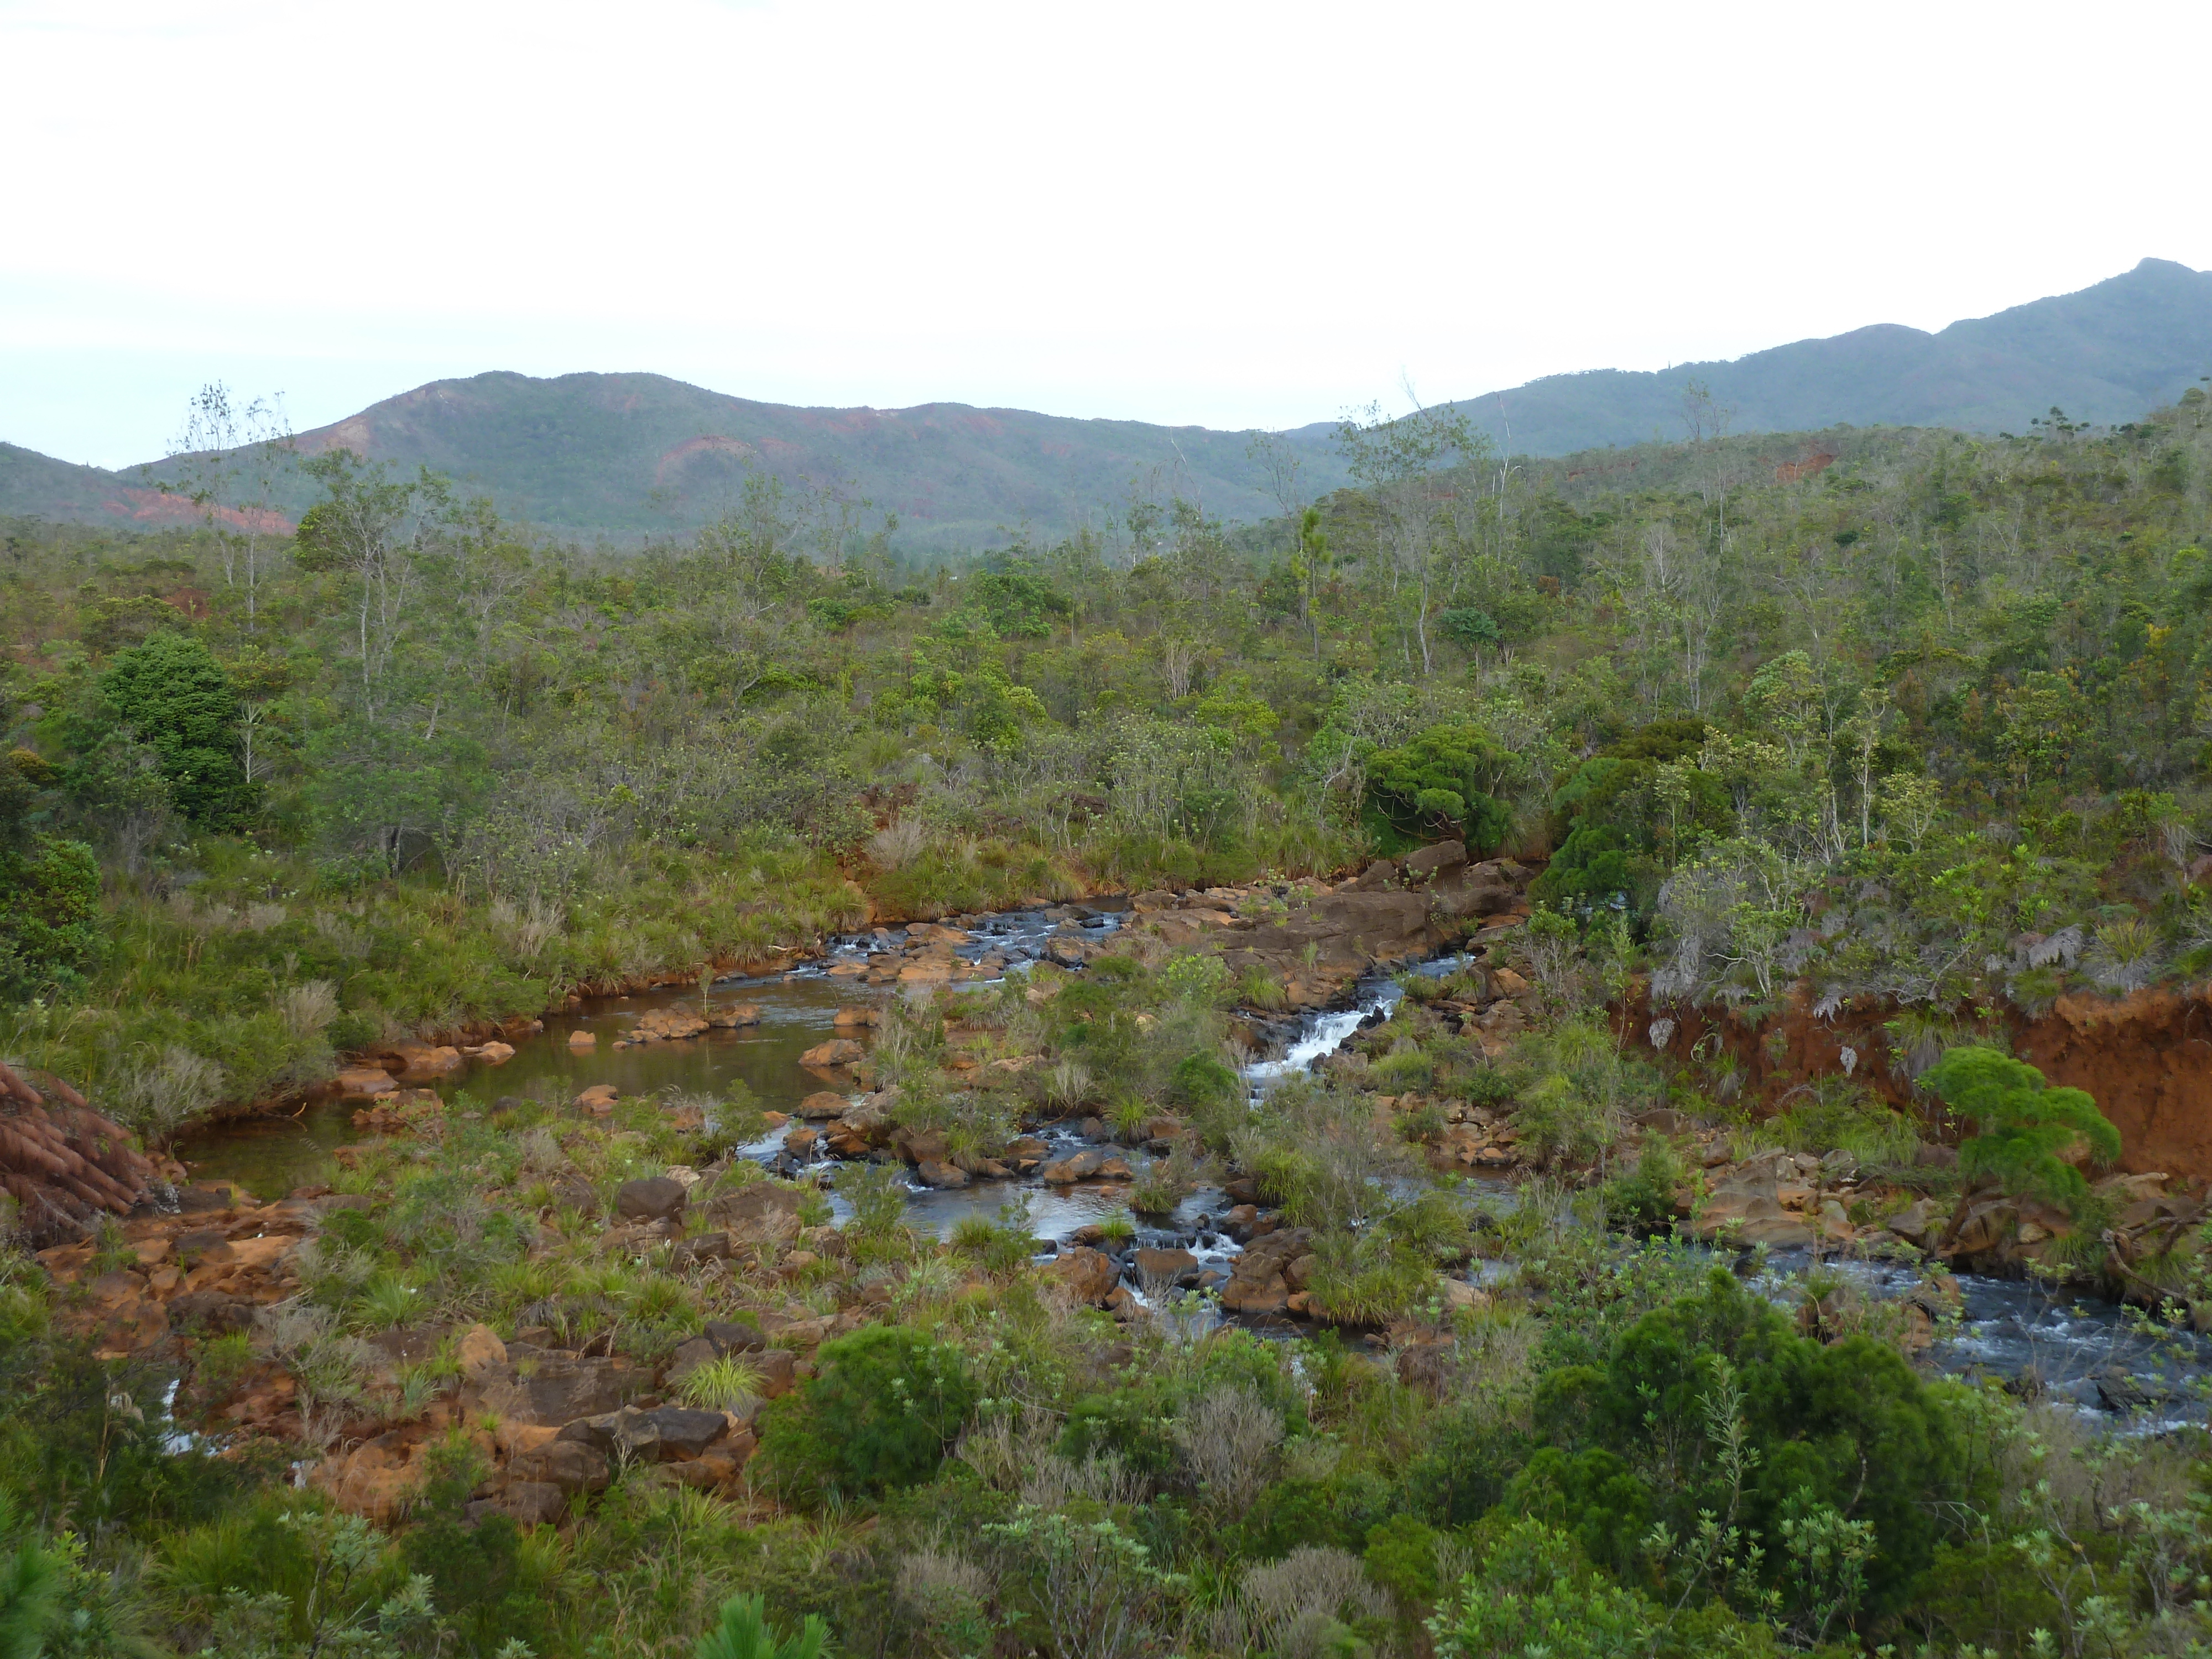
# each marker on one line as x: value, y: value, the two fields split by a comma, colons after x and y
x: 1233, y: 215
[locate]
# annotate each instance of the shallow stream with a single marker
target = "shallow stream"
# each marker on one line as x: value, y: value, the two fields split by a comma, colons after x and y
x: 2008, y: 1328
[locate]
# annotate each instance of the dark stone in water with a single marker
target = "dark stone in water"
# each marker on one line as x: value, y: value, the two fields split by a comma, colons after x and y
x: 2122, y: 1393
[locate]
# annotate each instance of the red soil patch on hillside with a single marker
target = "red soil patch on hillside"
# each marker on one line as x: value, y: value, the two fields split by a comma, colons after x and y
x: 690, y: 446
x: 1811, y: 466
x: 153, y: 507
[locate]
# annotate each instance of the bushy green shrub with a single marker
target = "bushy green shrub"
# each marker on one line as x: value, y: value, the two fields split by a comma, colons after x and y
x: 1848, y: 1425
x: 50, y: 937
x: 1642, y: 1199
x: 1535, y: 1594
x: 1442, y: 782
x: 2027, y: 1128
x: 879, y: 1412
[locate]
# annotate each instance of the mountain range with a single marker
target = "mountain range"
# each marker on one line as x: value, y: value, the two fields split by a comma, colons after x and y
x: 628, y: 456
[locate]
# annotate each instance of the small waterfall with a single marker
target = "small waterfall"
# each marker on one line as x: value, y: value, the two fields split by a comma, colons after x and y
x: 1324, y: 1033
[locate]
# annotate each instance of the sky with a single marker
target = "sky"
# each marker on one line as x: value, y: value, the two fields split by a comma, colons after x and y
x: 1230, y: 214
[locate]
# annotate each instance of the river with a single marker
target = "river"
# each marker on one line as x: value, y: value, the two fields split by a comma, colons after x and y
x: 2010, y: 1328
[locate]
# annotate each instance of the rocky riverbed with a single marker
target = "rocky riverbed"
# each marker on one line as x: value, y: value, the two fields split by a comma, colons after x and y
x: 559, y: 1397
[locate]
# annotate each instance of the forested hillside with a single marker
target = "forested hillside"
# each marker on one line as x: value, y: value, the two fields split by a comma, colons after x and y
x: 629, y: 457
x: 1694, y: 751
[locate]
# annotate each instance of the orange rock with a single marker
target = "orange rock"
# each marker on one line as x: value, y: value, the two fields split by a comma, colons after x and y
x: 365, y: 1082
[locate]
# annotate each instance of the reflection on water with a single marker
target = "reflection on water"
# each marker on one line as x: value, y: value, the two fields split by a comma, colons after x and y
x: 269, y: 1157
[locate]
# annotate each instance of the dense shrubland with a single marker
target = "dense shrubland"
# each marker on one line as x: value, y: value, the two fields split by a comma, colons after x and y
x: 1923, y: 728
x: 1927, y: 724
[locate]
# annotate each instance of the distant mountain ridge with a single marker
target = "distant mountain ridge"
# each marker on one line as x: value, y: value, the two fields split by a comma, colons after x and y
x: 628, y: 456
x: 2105, y: 355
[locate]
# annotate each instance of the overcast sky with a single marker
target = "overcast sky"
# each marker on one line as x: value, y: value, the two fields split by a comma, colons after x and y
x: 1230, y: 215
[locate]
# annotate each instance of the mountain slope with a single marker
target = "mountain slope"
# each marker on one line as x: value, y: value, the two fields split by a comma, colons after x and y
x: 639, y: 453
x: 628, y: 456
x: 2105, y: 355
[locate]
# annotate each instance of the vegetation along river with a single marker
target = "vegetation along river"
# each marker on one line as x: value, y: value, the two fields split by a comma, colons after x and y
x: 2103, y: 1357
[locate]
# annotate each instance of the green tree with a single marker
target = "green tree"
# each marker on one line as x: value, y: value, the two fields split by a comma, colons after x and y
x: 1714, y: 1404
x: 2026, y: 1128
x: 374, y: 529
x: 1441, y: 782
x: 175, y: 698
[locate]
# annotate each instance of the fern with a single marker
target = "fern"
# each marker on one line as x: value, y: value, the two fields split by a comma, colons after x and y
x: 745, y: 1633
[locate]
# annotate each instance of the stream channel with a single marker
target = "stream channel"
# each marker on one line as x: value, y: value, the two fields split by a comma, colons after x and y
x: 2079, y: 1348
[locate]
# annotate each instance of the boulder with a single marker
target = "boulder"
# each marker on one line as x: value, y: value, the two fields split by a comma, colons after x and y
x: 600, y: 1097
x: 625, y: 1436
x: 1255, y: 1286
x: 1920, y: 1222
x: 525, y: 1503
x: 568, y: 1464
x: 1433, y: 863
x: 931, y: 1173
x: 779, y: 1369
x: 734, y: 1336
x: 656, y: 1197
x: 1460, y: 1296
x: 685, y: 1433
x: 690, y: 1354
x: 755, y: 1211
x: 212, y: 1313
x: 1745, y: 1217
x: 1088, y: 1275
x: 423, y: 1059
x: 580, y: 1038
x: 1077, y: 1166
x: 1164, y: 1267
x: 559, y: 1389
x: 825, y: 1104
x: 1982, y: 1226
x: 479, y: 1350
x: 736, y: 1016
x: 838, y: 1051
x: 365, y: 1082
x: 374, y: 1480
